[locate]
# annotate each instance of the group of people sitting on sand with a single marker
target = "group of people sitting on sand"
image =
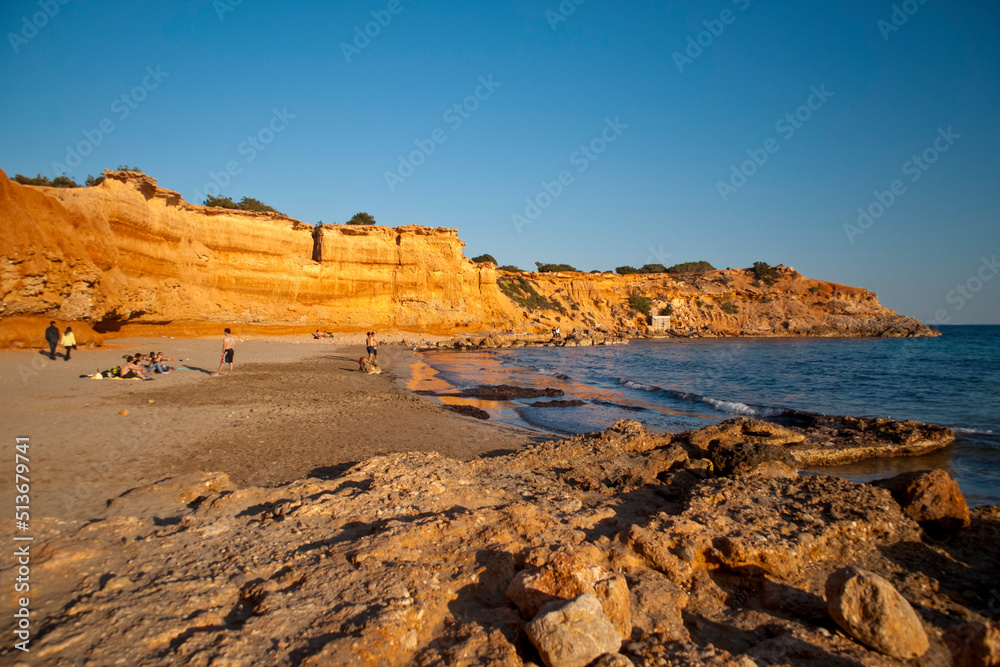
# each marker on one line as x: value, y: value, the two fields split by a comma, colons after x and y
x: 133, y: 367
x: 322, y: 334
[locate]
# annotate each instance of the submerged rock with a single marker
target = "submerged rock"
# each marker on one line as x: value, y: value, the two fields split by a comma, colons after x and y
x: 506, y: 392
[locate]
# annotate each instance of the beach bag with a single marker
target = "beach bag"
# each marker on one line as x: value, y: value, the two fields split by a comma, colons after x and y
x: 113, y: 372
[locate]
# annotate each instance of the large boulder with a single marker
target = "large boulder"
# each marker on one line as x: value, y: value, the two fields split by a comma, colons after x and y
x: 574, y: 633
x: 931, y: 498
x: 741, y: 458
x: 869, y: 609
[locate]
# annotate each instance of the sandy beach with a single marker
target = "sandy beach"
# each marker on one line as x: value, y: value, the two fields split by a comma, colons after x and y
x: 295, y: 407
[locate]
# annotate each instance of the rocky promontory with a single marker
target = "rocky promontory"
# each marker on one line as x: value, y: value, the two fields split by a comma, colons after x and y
x: 614, y: 548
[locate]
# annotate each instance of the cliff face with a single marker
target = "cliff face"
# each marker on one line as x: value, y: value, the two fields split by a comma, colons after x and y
x: 127, y: 252
x: 732, y: 302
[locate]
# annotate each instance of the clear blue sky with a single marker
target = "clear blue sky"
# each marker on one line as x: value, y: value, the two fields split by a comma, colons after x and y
x: 329, y: 122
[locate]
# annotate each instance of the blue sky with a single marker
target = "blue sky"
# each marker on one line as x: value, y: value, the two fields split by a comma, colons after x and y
x: 649, y: 113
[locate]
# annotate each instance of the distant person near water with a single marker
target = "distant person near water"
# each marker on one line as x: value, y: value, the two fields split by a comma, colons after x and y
x: 228, y: 351
x: 69, y: 341
x: 372, y: 345
x: 52, y: 337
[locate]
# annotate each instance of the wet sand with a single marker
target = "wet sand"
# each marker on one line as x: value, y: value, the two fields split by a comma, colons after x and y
x: 295, y: 407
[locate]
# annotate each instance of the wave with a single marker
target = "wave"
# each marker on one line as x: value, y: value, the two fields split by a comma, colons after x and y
x: 971, y: 431
x: 727, y: 407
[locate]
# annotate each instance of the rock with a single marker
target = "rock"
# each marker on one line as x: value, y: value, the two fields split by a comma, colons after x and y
x: 613, y: 660
x: 123, y: 412
x: 931, y: 498
x: 742, y: 458
x: 869, y: 609
x: 974, y: 644
x: 744, y: 431
x: 574, y: 633
x: 566, y: 576
x: 506, y: 392
x: 468, y: 410
x: 657, y: 604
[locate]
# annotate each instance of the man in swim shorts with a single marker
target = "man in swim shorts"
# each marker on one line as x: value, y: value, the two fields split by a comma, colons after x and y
x: 228, y: 351
x: 372, y: 345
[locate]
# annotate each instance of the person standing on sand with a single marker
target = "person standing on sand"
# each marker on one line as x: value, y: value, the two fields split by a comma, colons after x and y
x: 228, y: 350
x: 372, y: 345
x: 52, y: 337
x: 69, y: 341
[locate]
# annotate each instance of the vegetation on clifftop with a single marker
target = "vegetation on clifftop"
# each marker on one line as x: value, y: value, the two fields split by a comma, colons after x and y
x: 245, y: 204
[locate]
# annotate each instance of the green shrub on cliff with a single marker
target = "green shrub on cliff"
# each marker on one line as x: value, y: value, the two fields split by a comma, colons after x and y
x: 691, y: 267
x: 485, y: 258
x: 552, y: 268
x: 523, y: 293
x: 63, y: 181
x: 362, y: 219
x: 511, y: 268
x: 640, y: 304
x: 245, y: 204
x: 729, y: 308
x: 764, y: 271
x: 626, y: 270
x: 653, y: 268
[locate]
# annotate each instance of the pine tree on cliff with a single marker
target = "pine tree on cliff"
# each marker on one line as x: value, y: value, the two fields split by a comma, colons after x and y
x: 361, y: 219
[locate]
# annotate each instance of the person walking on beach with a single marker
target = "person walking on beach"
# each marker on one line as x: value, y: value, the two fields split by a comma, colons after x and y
x: 52, y: 337
x: 69, y: 341
x: 372, y: 345
x: 228, y: 351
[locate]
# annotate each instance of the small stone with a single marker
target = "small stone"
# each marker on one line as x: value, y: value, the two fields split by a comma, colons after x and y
x: 873, y: 612
x: 613, y: 660
x: 573, y: 634
x: 150, y: 401
x: 123, y: 412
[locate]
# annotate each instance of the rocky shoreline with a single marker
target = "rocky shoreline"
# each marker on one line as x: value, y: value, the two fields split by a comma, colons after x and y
x: 613, y: 548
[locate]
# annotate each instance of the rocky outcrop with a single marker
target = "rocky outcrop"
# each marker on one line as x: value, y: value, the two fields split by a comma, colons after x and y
x: 730, y: 302
x: 127, y: 253
x: 408, y: 559
x: 819, y: 441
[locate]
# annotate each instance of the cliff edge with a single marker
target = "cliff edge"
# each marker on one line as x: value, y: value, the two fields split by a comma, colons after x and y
x: 127, y: 252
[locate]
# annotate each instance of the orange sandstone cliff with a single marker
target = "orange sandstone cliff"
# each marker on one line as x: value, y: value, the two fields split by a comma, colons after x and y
x: 127, y: 252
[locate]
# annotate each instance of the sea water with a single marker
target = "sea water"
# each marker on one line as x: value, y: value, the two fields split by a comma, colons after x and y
x: 675, y: 385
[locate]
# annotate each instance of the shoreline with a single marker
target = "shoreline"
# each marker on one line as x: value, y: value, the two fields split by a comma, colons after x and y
x: 293, y: 408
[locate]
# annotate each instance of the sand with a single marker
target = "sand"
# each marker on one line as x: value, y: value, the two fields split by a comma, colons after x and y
x: 295, y: 407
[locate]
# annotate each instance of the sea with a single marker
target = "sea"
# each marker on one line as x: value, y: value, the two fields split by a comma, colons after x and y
x: 673, y: 385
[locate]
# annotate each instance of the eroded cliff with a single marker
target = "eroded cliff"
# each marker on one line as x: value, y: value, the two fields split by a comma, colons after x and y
x: 126, y: 253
